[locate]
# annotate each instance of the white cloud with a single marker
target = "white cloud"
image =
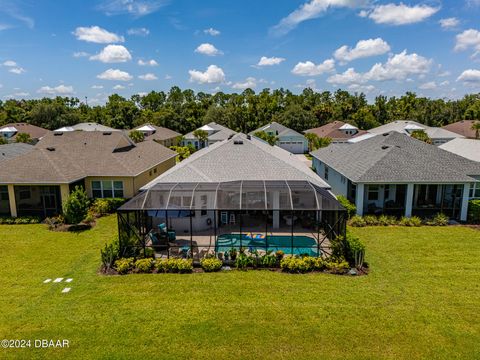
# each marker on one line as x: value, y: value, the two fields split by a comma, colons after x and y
x: 136, y: 8
x: 449, y: 23
x: 147, y: 62
x: 9, y: 63
x: 250, y: 82
x: 138, y: 31
x: 17, y: 70
x: 57, y: 90
x: 208, y: 49
x: 469, y: 39
x: 79, y: 54
x: 311, y: 9
x: 148, y: 77
x: 168, y: 77
x: 350, y: 76
x: 361, y: 88
x: 97, y: 35
x: 363, y: 48
x: 97, y: 87
x: 113, y: 54
x: 398, y: 67
x: 308, y: 68
x: 471, y: 76
x: 400, y: 14
x: 269, y: 61
x: 213, y: 74
x: 211, y: 31
x: 115, y: 74
x: 118, y: 87
x: 445, y: 83
x: 431, y: 85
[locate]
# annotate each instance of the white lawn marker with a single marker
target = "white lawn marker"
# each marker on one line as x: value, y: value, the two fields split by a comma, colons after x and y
x: 57, y: 280
x: 47, y: 281
x: 66, y: 290
x: 68, y: 280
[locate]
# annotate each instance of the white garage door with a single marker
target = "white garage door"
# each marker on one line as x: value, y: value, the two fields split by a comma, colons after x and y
x: 295, y: 147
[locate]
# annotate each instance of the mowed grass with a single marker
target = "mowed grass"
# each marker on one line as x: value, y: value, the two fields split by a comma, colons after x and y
x: 420, y: 301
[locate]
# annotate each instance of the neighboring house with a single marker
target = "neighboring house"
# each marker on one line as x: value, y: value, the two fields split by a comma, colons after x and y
x: 240, y: 192
x: 462, y: 127
x: 106, y: 164
x: 395, y: 174
x: 338, y: 131
x: 86, y: 127
x: 438, y: 135
x: 162, y: 135
x: 215, y: 133
x: 10, y: 131
x: 7, y: 152
x: 288, y: 139
x: 468, y: 148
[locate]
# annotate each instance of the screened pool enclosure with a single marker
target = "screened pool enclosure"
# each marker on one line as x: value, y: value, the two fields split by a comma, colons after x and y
x: 194, y: 219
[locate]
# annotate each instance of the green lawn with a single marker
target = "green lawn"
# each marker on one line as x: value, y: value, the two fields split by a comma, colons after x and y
x: 420, y: 301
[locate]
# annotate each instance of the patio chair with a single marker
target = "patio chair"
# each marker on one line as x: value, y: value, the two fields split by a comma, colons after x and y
x: 159, y: 241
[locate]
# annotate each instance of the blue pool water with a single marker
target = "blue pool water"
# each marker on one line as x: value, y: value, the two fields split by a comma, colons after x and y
x: 301, y: 244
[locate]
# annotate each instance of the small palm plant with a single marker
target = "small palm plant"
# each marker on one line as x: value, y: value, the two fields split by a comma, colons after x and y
x: 476, y: 128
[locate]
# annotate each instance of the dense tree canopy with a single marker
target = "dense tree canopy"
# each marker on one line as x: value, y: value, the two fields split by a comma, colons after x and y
x: 185, y: 110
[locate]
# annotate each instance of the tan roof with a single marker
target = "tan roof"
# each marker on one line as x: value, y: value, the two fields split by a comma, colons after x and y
x: 75, y: 155
x: 462, y: 127
x: 331, y: 130
x: 35, y: 132
x: 161, y: 133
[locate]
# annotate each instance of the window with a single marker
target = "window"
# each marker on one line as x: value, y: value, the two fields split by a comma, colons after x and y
x: 474, y: 190
x: 342, y: 179
x: 24, y: 193
x: 3, y: 193
x: 373, y: 192
x: 387, y: 192
x: 107, y: 189
x: 326, y: 172
x: 203, y: 202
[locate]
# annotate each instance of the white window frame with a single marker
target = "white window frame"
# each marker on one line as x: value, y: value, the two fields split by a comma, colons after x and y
x: 112, y: 182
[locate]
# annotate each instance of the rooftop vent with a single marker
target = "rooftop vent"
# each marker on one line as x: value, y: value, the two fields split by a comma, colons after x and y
x: 385, y: 147
x: 249, y: 137
x: 386, y: 134
x: 230, y: 137
x: 50, y: 148
x: 57, y: 133
x: 238, y: 142
x: 107, y: 133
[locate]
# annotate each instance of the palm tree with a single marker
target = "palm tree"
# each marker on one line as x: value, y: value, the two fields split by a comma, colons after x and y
x: 201, y: 136
x: 476, y: 127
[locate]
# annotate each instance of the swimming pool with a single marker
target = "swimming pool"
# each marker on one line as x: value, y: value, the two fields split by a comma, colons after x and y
x: 301, y: 244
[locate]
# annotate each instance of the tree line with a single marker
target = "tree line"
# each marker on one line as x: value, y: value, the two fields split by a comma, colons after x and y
x: 185, y: 110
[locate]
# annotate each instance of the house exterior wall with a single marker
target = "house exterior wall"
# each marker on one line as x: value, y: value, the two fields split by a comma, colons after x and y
x: 295, y: 148
x: 337, y: 181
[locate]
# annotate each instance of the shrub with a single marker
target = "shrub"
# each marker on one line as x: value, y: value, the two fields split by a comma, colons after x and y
x: 474, y: 211
x: 354, y: 250
x: 243, y: 261
x: 371, y: 220
x: 438, y: 220
x: 124, y: 265
x: 211, y: 264
x: 413, y: 221
x: 386, y: 220
x: 106, y: 205
x: 350, y: 207
x: 109, y: 255
x: 144, y: 265
x: 268, y: 260
x: 75, y: 207
x: 181, y: 266
x: 19, y: 220
x: 279, y: 254
x: 295, y: 265
x: 337, y: 267
x: 357, y: 221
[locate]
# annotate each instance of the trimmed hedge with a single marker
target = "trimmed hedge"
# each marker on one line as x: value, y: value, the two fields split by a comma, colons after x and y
x: 474, y: 211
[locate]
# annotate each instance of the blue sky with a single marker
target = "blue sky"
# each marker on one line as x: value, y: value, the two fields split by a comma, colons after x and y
x: 95, y: 48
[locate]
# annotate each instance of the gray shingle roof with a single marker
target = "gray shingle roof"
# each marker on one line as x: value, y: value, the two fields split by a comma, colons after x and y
x: 396, y: 157
x: 10, y: 151
x: 252, y: 160
x: 399, y: 126
x: 279, y: 129
x: 220, y: 134
x: 161, y: 133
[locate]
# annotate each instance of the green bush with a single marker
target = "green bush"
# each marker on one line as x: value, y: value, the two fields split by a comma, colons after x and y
x: 357, y: 221
x: 106, y: 205
x: 268, y: 260
x: 354, y: 250
x: 243, y: 261
x: 412, y: 221
x: 211, y: 264
x: 295, y: 265
x: 474, y: 211
x: 24, y: 220
x: 75, y: 207
x: 386, y: 220
x: 438, y: 220
x: 337, y: 267
x: 144, y: 265
x: 181, y: 266
x: 370, y: 220
x: 109, y: 255
x: 350, y: 207
x: 124, y: 265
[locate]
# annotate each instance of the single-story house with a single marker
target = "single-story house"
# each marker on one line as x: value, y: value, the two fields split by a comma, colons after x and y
x: 86, y: 127
x: 438, y: 135
x: 463, y: 127
x: 216, y: 133
x: 288, y: 139
x: 338, y: 131
x: 162, y: 135
x: 106, y: 164
x: 240, y: 192
x: 10, y: 131
x: 396, y: 174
